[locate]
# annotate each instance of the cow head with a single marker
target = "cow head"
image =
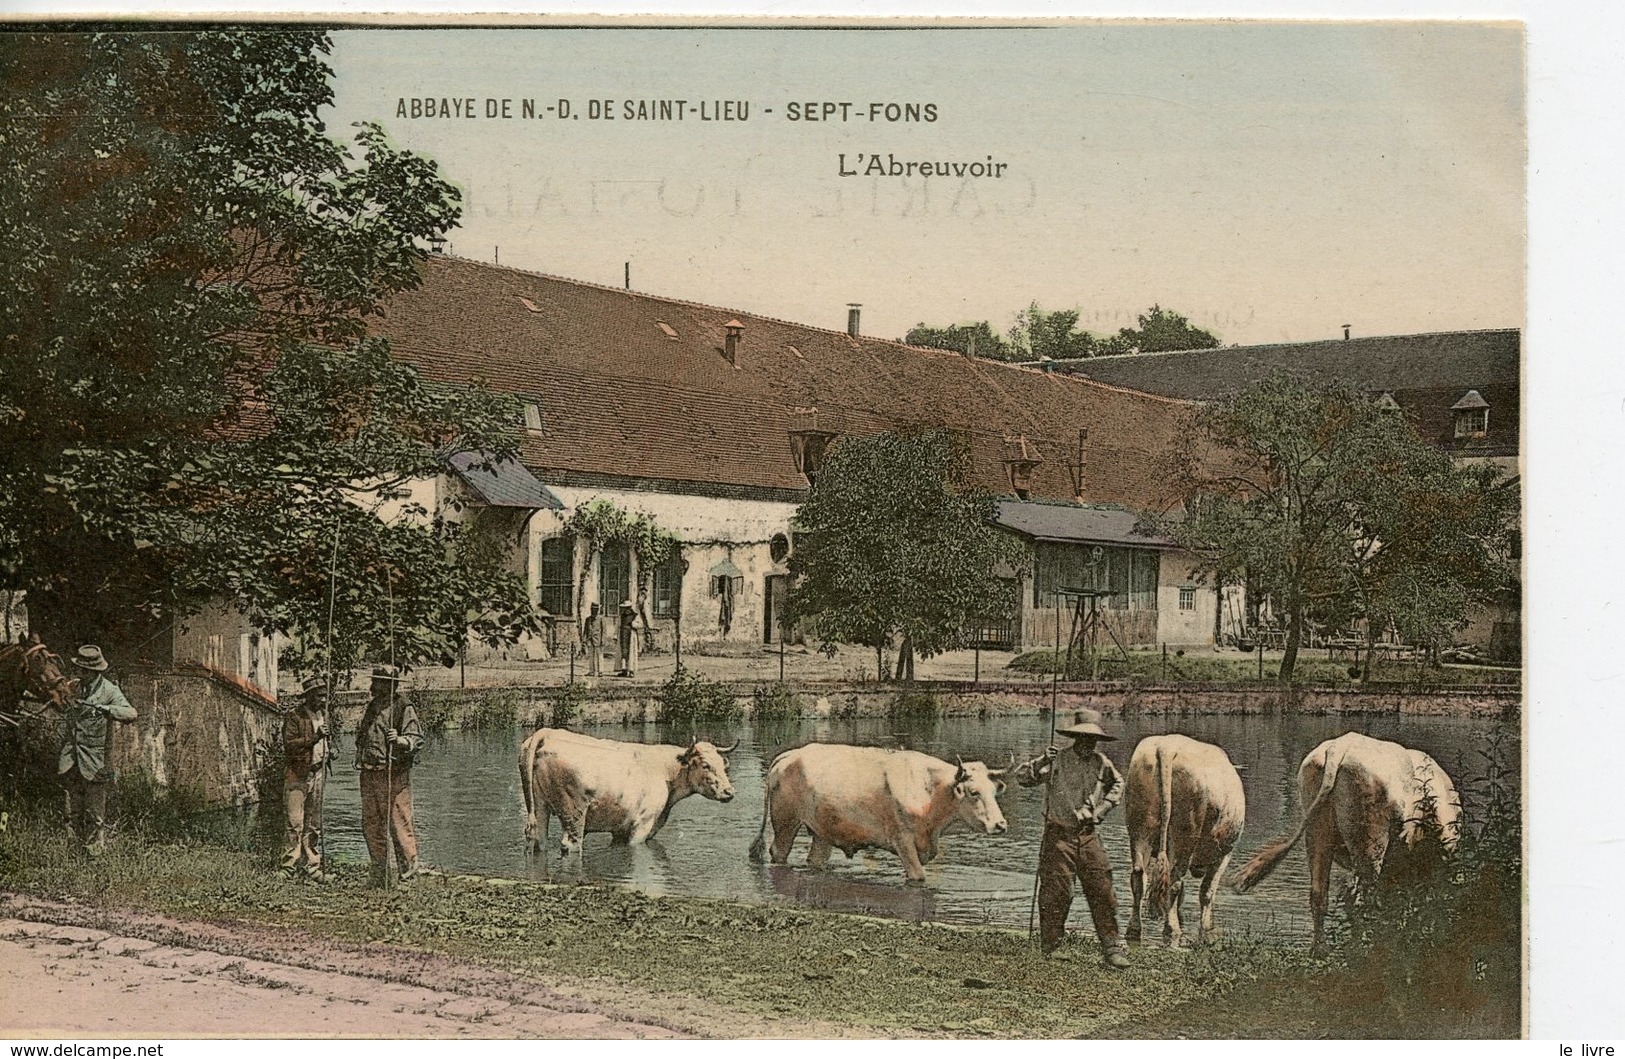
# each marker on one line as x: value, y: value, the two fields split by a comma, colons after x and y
x: 45, y: 676
x: 705, y: 769
x: 976, y: 791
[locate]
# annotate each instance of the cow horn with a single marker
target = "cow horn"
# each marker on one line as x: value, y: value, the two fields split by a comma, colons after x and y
x: 999, y: 773
x: 728, y: 749
x: 960, y: 775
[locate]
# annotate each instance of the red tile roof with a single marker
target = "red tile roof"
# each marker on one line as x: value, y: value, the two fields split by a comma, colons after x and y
x: 621, y: 398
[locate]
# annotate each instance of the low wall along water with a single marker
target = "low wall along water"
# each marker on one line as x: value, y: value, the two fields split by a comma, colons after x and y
x: 641, y: 704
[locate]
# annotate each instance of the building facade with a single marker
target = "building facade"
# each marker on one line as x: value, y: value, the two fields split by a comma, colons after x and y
x: 712, y: 422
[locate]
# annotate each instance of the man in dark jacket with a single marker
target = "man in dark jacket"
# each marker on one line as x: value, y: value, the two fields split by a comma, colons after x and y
x: 385, y: 742
x: 304, y: 778
x: 1084, y: 786
x: 82, y: 766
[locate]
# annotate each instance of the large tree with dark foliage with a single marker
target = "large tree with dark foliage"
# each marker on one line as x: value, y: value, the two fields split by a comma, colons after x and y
x: 890, y: 544
x: 1335, y: 509
x: 190, y: 404
x: 974, y: 340
x: 1160, y: 331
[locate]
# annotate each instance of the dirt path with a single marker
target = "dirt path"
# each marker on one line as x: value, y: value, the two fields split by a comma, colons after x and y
x: 69, y: 969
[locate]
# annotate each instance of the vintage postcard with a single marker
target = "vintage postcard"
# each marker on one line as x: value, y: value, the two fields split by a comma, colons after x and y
x: 911, y: 530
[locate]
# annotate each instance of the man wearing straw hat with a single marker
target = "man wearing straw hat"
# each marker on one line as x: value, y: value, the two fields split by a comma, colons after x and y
x: 82, y: 766
x: 385, y: 742
x: 1083, y: 786
x: 304, y: 777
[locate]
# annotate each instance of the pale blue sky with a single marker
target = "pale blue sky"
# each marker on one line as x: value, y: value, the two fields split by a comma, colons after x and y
x: 1272, y: 181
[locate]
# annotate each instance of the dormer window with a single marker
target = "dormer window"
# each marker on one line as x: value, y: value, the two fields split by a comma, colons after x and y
x: 1386, y: 403
x: 1021, y: 460
x: 809, y: 442
x: 1472, y: 414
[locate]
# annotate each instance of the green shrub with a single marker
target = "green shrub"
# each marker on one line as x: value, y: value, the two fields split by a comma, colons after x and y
x: 566, y: 705
x: 435, y: 712
x: 688, y: 698
x: 914, y: 705
x: 491, y: 712
x: 774, y: 702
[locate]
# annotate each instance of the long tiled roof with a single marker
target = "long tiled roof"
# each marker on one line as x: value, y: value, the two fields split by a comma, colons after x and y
x: 1442, y: 359
x: 636, y: 387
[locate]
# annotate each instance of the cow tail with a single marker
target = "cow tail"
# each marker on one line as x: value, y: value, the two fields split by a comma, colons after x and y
x: 758, y: 848
x: 1161, y: 869
x: 1265, y: 860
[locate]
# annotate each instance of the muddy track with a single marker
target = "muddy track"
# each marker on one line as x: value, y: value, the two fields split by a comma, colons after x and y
x: 71, y: 968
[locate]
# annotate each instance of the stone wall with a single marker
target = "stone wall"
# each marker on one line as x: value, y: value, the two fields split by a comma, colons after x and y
x: 634, y: 705
x: 198, y: 729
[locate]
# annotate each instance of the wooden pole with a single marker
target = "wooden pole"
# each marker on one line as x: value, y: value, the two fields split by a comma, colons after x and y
x: 390, y: 876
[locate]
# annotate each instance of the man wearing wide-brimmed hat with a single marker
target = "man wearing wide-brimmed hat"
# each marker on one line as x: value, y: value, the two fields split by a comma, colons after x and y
x: 304, y: 778
x: 386, y: 740
x: 82, y: 766
x: 1083, y: 786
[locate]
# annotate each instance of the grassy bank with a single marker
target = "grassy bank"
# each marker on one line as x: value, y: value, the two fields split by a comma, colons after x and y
x: 1312, y: 668
x: 879, y: 976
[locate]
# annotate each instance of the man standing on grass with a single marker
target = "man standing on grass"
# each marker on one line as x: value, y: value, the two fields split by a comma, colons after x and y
x: 82, y: 766
x: 1083, y: 787
x: 385, y: 742
x: 304, y: 778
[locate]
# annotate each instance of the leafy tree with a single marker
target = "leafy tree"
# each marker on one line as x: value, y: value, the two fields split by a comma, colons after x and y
x: 191, y: 406
x: 1038, y: 333
x: 889, y: 543
x: 978, y: 339
x: 1160, y: 331
x: 1334, y: 509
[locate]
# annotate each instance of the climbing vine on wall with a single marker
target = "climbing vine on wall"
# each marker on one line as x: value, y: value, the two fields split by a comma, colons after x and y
x: 600, y: 523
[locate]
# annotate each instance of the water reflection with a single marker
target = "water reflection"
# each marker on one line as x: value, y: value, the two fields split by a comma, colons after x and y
x: 470, y: 816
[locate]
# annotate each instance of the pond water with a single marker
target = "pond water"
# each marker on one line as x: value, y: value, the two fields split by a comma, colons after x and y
x: 469, y: 815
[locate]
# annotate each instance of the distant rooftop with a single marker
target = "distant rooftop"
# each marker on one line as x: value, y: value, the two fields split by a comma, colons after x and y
x: 1078, y: 524
x: 1434, y: 360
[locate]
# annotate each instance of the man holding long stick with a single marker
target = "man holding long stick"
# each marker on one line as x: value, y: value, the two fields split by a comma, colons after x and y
x: 386, y: 740
x: 1083, y: 786
x: 305, y: 750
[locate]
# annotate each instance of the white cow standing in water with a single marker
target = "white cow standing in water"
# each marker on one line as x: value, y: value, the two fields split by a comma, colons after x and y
x: 627, y: 789
x: 864, y: 797
x: 1184, y: 808
x: 1358, y: 793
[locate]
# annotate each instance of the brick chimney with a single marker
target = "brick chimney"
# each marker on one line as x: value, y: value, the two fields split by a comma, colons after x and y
x: 852, y: 310
x: 730, y: 346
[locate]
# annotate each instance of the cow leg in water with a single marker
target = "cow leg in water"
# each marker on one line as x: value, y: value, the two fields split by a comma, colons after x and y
x: 913, y: 870
x: 1136, y: 887
x: 1174, y: 931
x: 573, y: 824
x: 818, y: 857
x: 538, y: 832
x: 1322, y: 842
x: 1210, y: 890
x: 786, y: 825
